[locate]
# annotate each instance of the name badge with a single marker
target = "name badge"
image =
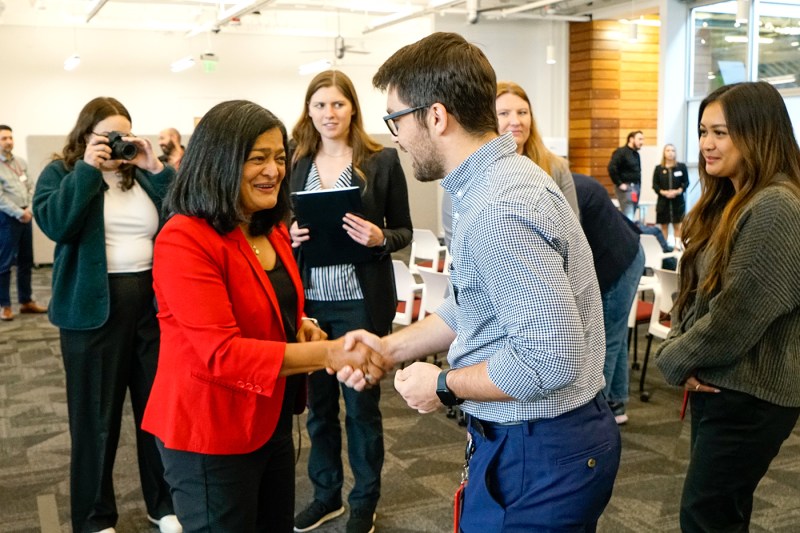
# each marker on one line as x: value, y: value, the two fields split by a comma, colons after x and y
x: 678, y: 173
x: 23, y: 178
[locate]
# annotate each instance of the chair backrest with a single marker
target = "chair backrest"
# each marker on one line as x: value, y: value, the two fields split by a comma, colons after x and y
x: 407, y: 288
x: 653, y: 253
x: 436, y: 285
x: 666, y: 290
x: 426, y: 247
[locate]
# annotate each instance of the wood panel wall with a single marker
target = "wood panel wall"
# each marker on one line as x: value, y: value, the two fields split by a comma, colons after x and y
x: 613, y: 89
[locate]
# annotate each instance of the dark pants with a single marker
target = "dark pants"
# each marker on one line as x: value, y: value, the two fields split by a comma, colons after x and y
x: 363, y: 421
x: 16, y: 246
x: 735, y: 436
x: 100, y: 365
x: 234, y: 493
x: 546, y: 475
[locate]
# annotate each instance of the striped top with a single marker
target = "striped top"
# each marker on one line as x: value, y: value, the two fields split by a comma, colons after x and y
x: 746, y: 335
x: 335, y: 282
x: 525, y: 294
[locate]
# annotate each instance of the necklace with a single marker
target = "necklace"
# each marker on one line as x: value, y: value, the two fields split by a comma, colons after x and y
x: 255, y: 249
x: 348, y: 153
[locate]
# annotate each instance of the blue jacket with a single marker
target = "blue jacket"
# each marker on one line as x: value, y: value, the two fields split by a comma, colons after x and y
x: 68, y: 207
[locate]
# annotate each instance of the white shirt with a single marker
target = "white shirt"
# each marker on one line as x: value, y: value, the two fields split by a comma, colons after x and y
x: 131, y: 221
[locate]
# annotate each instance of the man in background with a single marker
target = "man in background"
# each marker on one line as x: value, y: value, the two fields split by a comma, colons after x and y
x: 170, y: 142
x: 625, y: 170
x: 16, y: 233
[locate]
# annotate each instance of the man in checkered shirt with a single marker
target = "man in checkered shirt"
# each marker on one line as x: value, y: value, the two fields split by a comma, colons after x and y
x: 524, y: 321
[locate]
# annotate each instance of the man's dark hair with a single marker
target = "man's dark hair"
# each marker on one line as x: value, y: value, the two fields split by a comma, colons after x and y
x: 4, y: 127
x: 633, y: 134
x: 444, y: 68
x: 208, y: 184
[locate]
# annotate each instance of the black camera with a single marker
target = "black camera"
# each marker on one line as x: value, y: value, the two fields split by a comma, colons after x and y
x: 121, y: 149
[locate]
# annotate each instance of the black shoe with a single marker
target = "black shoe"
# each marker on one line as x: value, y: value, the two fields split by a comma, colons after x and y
x: 316, y: 514
x: 361, y: 522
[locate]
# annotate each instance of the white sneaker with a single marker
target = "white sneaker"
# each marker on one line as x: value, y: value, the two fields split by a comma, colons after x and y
x: 108, y: 530
x: 167, y: 524
x: 621, y: 419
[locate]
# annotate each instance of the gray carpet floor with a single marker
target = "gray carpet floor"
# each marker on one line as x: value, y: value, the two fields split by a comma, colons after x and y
x: 423, y: 454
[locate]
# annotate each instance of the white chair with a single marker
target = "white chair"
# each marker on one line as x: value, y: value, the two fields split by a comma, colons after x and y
x: 640, y: 312
x: 426, y: 247
x: 653, y: 253
x: 665, y: 290
x: 409, y: 294
x: 436, y: 285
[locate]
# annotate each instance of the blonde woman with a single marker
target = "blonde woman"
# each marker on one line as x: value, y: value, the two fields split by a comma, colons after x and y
x: 670, y: 181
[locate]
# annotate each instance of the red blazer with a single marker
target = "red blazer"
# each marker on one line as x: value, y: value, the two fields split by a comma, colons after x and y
x: 217, y: 389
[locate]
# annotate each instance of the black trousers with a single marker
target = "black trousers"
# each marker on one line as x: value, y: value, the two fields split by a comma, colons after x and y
x: 246, y: 493
x: 735, y: 436
x: 101, y: 365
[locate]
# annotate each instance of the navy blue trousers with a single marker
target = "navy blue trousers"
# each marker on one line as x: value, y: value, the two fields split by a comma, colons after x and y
x: 16, y: 247
x: 547, y: 475
x: 363, y: 421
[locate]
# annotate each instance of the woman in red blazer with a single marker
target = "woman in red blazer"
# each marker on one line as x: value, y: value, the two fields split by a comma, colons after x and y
x: 230, y: 309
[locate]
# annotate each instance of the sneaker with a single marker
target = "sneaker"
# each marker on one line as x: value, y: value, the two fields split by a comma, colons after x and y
x: 360, y: 522
x: 316, y: 514
x: 621, y: 419
x: 167, y: 523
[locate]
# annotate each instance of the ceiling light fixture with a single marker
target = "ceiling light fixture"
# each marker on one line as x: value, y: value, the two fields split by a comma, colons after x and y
x: 72, y: 62
x: 314, y: 67
x: 551, y: 55
x: 742, y: 11
x: 182, y: 64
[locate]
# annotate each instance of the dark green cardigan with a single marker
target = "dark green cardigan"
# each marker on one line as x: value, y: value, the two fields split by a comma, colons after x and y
x: 68, y: 207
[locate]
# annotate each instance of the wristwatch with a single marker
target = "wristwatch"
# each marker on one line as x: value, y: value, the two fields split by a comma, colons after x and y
x: 444, y: 393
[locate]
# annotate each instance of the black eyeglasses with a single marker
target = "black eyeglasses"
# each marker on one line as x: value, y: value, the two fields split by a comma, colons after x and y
x: 390, y: 119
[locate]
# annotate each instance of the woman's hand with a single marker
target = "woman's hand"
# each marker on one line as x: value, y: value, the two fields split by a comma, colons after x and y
x: 309, y: 331
x: 693, y: 385
x: 145, y: 158
x: 299, y: 235
x: 97, y: 150
x: 363, y: 231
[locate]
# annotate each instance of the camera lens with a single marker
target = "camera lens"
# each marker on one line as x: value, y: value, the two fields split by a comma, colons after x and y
x: 121, y: 149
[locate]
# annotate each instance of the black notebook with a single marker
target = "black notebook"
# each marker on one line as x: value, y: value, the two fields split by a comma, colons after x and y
x: 321, y: 211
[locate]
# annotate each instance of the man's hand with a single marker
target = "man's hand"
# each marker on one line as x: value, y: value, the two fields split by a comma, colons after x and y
x: 356, y: 378
x: 26, y: 216
x: 417, y: 385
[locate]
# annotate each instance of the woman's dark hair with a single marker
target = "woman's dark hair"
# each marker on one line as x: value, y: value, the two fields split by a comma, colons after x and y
x: 95, y: 111
x: 208, y: 184
x: 759, y: 127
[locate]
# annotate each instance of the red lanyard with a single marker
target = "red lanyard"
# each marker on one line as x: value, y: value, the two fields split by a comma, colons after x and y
x: 16, y: 171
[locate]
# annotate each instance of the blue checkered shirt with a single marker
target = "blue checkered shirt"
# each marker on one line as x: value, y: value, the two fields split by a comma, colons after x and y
x: 525, y: 294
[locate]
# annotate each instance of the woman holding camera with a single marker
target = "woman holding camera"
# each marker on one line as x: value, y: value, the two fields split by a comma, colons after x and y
x: 100, y: 201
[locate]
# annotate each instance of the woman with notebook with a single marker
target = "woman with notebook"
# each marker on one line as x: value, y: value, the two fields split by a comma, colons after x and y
x: 333, y: 151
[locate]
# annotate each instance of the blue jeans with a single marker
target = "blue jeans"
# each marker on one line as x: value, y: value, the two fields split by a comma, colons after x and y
x: 551, y: 474
x: 363, y: 421
x: 627, y: 203
x: 16, y: 246
x: 617, y: 301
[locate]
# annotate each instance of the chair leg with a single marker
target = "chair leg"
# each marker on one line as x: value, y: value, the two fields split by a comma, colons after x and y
x: 635, y: 335
x: 643, y: 394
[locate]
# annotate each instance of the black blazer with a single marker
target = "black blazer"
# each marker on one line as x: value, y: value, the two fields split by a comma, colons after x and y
x: 384, y: 195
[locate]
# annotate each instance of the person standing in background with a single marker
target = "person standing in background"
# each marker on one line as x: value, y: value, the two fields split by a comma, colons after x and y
x: 334, y: 151
x: 515, y: 114
x: 16, y: 230
x: 619, y: 263
x: 625, y: 170
x: 733, y: 345
x: 103, y: 211
x: 670, y: 181
x: 170, y: 142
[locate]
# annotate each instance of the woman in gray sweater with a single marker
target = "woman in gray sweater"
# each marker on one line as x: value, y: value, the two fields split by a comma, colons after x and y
x: 735, y: 340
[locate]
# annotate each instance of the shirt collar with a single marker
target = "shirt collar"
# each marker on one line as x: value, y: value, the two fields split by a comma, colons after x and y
x: 476, y: 164
x: 6, y: 159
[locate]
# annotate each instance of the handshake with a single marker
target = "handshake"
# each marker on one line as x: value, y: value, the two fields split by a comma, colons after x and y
x: 359, y: 359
